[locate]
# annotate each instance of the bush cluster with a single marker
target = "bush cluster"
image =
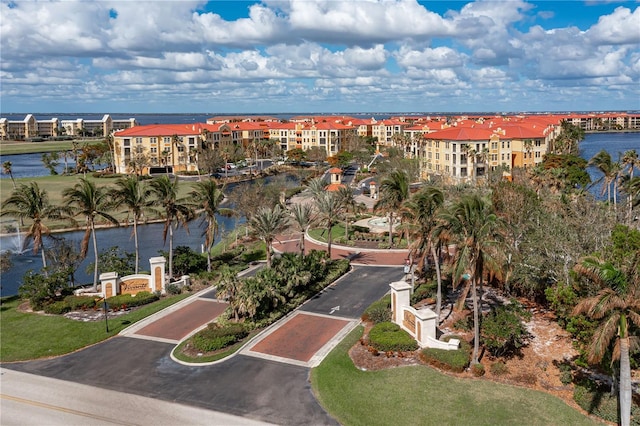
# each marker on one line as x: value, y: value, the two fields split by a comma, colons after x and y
x: 597, y: 400
x: 387, y: 336
x: 499, y: 368
x: 216, y: 336
x: 379, y: 311
x: 455, y: 361
x: 142, y: 298
x: 424, y: 291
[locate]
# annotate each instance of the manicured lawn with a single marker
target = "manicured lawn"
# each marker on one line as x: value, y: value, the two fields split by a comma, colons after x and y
x: 320, y: 234
x: 36, y: 147
x: 419, y: 395
x: 25, y: 336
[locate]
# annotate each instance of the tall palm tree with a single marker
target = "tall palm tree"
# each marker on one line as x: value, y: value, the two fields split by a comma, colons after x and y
x: 175, y: 210
x: 424, y: 207
x: 630, y: 160
x: 616, y: 305
x: 603, y: 162
x: 474, y: 226
x: 328, y: 207
x: 394, y: 190
x: 7, y: 169
x: 208, y: 197
x: 133, y: 194
x: 348, y: 201
x: 302, y: 215
x: 90, y: 201
x: 31, y: 202
x: 267, y: 223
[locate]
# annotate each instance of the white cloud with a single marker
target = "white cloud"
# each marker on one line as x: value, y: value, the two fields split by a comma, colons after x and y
x: 315, y: 53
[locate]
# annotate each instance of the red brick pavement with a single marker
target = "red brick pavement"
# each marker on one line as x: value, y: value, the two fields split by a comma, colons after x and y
x: 290, y: 243
x: 300, y: 337
x: 179, y: 324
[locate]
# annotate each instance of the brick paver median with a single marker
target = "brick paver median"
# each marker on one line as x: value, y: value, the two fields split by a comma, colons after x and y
x: 179, y: 324
x: 300, y: 337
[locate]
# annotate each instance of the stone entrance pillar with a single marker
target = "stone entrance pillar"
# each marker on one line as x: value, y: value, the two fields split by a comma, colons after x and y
x: 157, y: 282
x: 400, y: 296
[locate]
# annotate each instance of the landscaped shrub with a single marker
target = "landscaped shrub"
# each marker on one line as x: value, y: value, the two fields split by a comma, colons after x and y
x: 387, y: 336
x: 80, y: 303
x: 477, y: 370
x: 174, y: 289
x: 597, y: 400
x: 455, y: 361
x: 42, y: 290
x: 127, y: 300
x: 216, y: 336
x: 379, y: 311
x: 499, y: 368
x: 424, y: 291
x: 503, y: 332
x: 57, y: 308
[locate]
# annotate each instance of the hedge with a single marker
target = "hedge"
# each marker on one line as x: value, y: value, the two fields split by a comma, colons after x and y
x: 129, y: 301
x: 387, y: 336
x: 379, y: 311
x: 597, y: 400
x: 455, y: 361
x: 217, y: 336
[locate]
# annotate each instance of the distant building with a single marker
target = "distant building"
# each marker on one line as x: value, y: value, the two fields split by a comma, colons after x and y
x: 30, y: 127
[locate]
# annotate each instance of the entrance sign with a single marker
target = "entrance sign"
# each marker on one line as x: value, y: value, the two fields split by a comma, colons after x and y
x: 419, y: 323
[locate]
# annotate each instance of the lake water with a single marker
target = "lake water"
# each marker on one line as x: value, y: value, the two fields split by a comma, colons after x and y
x: 149, y: 236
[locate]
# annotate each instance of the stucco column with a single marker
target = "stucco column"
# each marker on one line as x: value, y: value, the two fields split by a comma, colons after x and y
x: 109, y: 284
x: 157, y: 281
x: 400, y: 296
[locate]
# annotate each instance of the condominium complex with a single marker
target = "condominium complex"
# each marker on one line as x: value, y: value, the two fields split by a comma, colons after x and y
x: 455, y: 148
x: 30, y: 128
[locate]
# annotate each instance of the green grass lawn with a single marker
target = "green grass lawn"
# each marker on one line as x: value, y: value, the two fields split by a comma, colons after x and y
x: 420, y: 395
x: 27, y: 336
x: 320, y: 234
x: 37, y: 147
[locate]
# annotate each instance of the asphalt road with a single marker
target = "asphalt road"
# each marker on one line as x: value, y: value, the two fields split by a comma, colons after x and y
x: 244, y: 386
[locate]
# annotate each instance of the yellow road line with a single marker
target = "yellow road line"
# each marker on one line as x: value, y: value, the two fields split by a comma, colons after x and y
x: 61, y: 409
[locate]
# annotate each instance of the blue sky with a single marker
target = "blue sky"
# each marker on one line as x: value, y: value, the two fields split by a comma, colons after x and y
x: 318, y: 56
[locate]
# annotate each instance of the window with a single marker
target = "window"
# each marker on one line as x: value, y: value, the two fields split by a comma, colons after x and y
x: 437, y: 155
x: 453, y: 149
x: 446, y: 157
x: 154, y: 150
x: 153, y: 140
x: 454, y: 158
x: 127, y: 142
x: 180, y: 148
x: 138, y: 140
x: 166, y: 140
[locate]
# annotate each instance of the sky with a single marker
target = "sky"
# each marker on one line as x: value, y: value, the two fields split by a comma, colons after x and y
x: 323, y: 56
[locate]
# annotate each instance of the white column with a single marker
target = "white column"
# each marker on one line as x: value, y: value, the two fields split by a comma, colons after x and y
x: 400, y: 296
x: 109, y: 284
x: 157, y: 281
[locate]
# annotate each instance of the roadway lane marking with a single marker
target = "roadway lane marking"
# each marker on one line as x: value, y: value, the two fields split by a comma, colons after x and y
x: 62, y: 409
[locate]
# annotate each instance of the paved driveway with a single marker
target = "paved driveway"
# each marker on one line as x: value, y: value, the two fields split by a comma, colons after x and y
x: 247, y: 386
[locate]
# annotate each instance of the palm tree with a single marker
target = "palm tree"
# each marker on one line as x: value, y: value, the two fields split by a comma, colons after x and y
x: 6, y: 169
x: 230, y: 288
x: 302, y: 215
x: 394, y: 190
x: 136, y: 197
x: 631, y: 160
x: 266, y: 224
x: 348, y: 202
x: 90, y: 201
x: 175, y: 210
x: 474, y: 226
x: 208, y: 197
x: 328, y: 206
x: 602, y: 161
x: 30, y: 202
x: 424, y: 207
x: 617, y: 304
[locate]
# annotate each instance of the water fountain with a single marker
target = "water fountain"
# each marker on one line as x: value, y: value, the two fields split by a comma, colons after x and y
x: 11, y: 239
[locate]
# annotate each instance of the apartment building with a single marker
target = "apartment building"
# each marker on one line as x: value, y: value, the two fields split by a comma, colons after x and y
x: 469, y: 149
x: 30, y: 127
x: 159, y: 148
